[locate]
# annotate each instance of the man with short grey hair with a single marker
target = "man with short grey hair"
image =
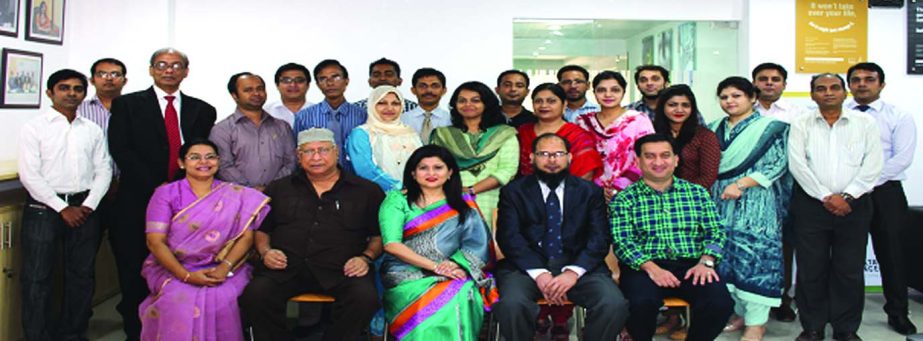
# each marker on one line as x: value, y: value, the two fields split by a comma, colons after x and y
x: 146, y: 131
x: 321, y: 237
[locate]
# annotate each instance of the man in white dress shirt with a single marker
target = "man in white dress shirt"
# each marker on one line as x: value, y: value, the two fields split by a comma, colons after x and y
x: 293, y: 81
x: 771, y: 78
x: 898, y: 138
x: 835, y: 157
x: 64, y: 165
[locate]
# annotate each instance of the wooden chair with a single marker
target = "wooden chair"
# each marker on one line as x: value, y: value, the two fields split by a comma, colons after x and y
x: 675, y: 302
x: 310, y: 298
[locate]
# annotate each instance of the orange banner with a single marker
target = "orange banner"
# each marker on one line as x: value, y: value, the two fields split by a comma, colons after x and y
x: 830, y: 35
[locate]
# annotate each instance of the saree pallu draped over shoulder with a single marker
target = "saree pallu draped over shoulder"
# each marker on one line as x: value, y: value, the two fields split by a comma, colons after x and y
x: 197, y: 229
x: 419, y: 304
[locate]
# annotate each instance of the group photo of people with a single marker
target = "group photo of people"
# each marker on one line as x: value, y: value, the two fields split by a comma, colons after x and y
x: 501, y: 209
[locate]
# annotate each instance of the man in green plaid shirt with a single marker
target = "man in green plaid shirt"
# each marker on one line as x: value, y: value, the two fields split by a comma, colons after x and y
x: 667, y: 239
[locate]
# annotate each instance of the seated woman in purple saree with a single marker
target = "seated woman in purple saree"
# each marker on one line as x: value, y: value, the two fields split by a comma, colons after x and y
x: 199, y: 231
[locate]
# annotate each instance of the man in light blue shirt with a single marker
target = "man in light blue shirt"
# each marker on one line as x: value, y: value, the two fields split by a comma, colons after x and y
x: 898, y: 139
x: 574, y: 80
x: 429, y: 87
x: 385, y: 72
x: 334, y: 112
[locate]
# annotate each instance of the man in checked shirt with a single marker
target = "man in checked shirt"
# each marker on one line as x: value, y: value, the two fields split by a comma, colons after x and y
x: 668, y: 239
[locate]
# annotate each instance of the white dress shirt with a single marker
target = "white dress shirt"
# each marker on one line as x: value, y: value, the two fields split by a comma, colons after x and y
x: 61, y: 157
x: 177, y: 104
x: 278, y: 110
x: 534, y: 273
x: 845, y: 157
x: 898, y: 138
x: 781, y: 110
x: 414, y: 118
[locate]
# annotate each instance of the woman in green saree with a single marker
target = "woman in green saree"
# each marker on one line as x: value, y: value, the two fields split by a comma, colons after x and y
x: 436, y: 247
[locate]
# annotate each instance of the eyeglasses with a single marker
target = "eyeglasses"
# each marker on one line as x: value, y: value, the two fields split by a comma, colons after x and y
x: 290, y: 80
x: 333, y: 79
x: 111, y: 74
x: 568, y: 82
x: 198, y: 157
x: 323, y: 151
x: 176, y: 66
x: 548, y: 155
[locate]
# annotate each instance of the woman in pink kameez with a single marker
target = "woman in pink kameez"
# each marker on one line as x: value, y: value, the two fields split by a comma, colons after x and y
x: 199, y: 231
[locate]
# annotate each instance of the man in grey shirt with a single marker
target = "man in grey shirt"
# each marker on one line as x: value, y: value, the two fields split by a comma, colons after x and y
x: 255, y: 148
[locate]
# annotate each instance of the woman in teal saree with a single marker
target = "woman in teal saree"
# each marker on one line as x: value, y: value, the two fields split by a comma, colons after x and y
x: 436, y: 245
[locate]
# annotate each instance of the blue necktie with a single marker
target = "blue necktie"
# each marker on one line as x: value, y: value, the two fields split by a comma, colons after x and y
x: 863, y: 108
x: 552, y: 241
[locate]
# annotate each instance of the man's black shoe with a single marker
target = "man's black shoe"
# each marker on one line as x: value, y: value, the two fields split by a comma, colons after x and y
x: 902, y: 325
x: 810, y: 335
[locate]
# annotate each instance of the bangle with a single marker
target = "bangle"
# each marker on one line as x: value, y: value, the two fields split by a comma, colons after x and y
x: 471, y: 190
x: 230, y: 265
x: 187, y: 276
x: 367, y: 258
x: 739, y: 186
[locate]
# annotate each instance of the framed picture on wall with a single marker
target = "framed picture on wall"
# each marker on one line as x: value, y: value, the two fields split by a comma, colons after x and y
x: 22, y: 79
x: 9, y: 17
x: 45, y: 21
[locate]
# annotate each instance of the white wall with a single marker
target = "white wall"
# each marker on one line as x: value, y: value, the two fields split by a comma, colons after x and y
x: 771, y: 38
x: 54, y: 57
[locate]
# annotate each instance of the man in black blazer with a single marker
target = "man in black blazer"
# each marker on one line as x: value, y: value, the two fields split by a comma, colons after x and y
x: 553, y: 231
x: 145, y: 132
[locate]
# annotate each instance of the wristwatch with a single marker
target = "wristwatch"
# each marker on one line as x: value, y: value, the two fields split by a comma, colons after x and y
x: 848, y: 197
x: 708, y: 263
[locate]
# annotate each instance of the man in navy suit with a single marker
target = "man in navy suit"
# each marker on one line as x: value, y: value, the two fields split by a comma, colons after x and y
x: 146, y: 131
x: 553, y: 231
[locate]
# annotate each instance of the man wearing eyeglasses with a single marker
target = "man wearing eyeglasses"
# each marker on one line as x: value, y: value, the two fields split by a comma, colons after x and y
x: 255, y: 147
x: 107, y: 76
x: 321, y: 237
x: 574, y: 80
x: 553, y: 231
x: 334, y: 112
x: 293, y: 81
x: 146, y: 131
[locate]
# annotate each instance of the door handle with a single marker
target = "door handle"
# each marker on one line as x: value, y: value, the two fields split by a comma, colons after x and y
x: 9, y: 235
x: 9, y: 273
x: 3, y: 234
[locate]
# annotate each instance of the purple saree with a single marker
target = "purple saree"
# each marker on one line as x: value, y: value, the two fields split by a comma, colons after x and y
x: 197, y: 229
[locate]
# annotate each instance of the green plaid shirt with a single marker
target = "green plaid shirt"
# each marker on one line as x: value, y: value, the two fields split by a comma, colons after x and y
x: 679, y: 223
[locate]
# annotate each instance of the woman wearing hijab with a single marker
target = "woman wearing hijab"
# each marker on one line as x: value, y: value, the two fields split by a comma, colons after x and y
x: 379, y: 148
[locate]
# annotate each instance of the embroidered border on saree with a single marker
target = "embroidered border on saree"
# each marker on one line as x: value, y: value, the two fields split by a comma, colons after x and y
x: 424, y: 307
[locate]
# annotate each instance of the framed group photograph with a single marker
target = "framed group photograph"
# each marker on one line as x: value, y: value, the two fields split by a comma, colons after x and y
x: 22, y: 79
x: 45, y: 21
x: 9, y: 17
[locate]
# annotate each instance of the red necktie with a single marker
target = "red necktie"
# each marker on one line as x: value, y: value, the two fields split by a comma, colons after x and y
x: 171, y: 122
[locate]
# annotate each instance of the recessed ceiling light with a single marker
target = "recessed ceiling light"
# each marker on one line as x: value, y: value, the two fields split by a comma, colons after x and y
x: 535, y: 53
x: 557, y: 33
x: 541, y: 48
x: 547, y: 41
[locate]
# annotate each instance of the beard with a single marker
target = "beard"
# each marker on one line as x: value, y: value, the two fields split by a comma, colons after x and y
x: 551, y: 179
x: 651, y: 97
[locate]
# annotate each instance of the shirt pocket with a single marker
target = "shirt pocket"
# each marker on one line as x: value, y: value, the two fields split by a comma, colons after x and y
x: 854, y: 152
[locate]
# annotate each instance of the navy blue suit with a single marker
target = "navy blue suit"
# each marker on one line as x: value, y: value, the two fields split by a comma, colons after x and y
x: 585, y: 234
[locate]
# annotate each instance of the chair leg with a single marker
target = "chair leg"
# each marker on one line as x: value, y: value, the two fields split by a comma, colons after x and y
x: 580, y: 321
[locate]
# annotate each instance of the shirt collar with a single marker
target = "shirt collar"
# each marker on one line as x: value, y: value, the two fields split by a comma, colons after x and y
x: 51, y: 115
x: 846, y: 114
x: 160, y: 93
x: 876, y: 105
x: 237, y: 116
x: 647, y: 189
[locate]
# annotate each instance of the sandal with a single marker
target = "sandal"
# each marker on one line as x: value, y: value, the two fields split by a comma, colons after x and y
x: 736, y: 323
